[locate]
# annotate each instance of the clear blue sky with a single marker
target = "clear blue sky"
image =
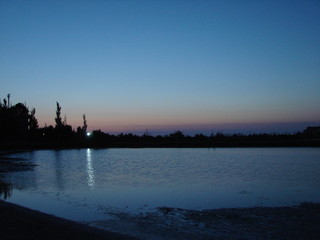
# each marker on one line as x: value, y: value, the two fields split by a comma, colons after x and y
x: 164, y: 65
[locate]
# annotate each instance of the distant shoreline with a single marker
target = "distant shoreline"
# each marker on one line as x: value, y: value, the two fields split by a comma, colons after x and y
x: 156, y: 143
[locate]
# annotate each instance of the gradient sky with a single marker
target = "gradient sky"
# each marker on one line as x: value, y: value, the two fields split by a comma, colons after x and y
x: 197, y: 66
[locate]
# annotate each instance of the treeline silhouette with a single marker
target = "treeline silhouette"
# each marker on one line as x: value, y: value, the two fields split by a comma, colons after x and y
x: 16, y: 121
x: 19, y: 129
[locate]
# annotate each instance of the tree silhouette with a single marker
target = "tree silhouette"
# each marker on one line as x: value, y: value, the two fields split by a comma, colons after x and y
x: 177, y: 134
x: 8, y: 99
x: 58, y: 116
x: 16, y: 120
x: 84, y: 128
x: 65, y: 120
x: 33, y: 125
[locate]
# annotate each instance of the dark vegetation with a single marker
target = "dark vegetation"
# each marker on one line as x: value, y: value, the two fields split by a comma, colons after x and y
x: 19, y: 129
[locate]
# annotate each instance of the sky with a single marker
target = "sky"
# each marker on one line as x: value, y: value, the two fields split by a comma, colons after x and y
x: 133, y: 65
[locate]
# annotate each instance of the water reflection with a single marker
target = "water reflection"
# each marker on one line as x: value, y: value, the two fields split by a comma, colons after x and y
x: 90, y: 169
x: 5, y: 190
x: 58, y: 166
x: 16, y: 172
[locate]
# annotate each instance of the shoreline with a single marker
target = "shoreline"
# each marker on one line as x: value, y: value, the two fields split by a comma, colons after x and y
x: 102, y: 140
x: 17, y: 222
x: 292, y: 222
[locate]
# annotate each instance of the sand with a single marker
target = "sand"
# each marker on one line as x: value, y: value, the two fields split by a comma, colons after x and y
x: 17, y: 222
x: 296, y: 222
x: 273, y: 223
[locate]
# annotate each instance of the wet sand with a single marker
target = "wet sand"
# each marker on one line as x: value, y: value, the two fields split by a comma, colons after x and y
x: 272, y: 223
x: 17, y: 222
x: 297, y: 222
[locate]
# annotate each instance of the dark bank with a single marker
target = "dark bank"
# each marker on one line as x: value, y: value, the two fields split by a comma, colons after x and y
x: 17, y: 222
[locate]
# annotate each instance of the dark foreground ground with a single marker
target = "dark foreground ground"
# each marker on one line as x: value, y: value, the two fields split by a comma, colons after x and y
x: 272, y: 223
x: 21, y: 223
x: 298, y: 222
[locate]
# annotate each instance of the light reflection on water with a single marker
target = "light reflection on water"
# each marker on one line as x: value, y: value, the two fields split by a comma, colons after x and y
x: 90, y: 169
x: 140, y: 179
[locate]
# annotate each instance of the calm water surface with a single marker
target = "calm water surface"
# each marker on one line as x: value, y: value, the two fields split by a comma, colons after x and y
x: 86, y: 184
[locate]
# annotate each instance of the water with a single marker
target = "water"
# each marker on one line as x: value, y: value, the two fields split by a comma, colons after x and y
x: 89, y: 184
